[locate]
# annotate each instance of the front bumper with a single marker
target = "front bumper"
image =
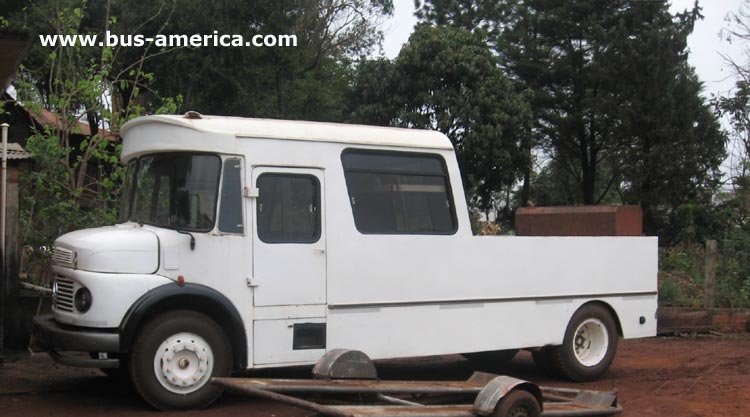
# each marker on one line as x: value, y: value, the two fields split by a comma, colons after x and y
x: 55, y: 338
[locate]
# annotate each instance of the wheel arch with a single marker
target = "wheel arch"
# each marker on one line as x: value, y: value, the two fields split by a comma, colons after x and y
x: 607, y: 307
x: 195, y: 297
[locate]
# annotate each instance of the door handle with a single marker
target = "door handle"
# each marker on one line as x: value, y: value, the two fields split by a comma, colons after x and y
x: 320, y: 249
x: 251, y: 283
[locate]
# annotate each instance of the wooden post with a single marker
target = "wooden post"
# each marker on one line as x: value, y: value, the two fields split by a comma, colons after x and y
x: 710, y: 277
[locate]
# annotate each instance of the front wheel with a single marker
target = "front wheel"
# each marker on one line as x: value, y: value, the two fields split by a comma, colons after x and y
x: 175, y: 356
x: 588, y: 348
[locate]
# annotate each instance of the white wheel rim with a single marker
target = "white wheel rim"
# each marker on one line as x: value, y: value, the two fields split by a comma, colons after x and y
x: 590, y: 342
x: 183, y: 363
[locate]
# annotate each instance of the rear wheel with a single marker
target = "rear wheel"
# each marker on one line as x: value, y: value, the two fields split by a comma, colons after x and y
x: 588, y: 348
x: 517, y: 403
x: 175, y: 356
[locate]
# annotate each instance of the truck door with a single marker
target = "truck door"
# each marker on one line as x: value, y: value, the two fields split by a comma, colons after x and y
x: 289, y: 265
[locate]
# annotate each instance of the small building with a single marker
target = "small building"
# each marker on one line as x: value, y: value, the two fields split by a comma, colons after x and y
x: 13, y: 47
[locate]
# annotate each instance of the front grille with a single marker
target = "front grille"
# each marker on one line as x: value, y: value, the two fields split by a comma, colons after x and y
x: 63, y: 256
x: 63, y: 292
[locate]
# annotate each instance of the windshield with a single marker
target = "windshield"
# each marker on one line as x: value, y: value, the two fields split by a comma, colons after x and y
x: 175, y: 190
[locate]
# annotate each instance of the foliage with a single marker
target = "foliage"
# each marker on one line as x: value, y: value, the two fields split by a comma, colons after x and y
x: 682, y: 269
x: 77, y: 177
x: 681, y: 272
x: 75, y: 184
x: 448, y: 79
x: 735, y: 108
x: 617, y: 108
x: 733, y: 272
x: 674, y: 143
x: 308, y: 81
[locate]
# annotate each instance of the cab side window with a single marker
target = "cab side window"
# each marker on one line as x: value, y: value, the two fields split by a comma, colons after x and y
x: 288, y: 208
x: 230, y: 213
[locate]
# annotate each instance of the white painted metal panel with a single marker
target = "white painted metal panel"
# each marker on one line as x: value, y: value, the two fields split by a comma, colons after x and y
x: 224, y: 134
x: 403, y: 268
x: 123, y: 249
x: 112, y: 295
x: 290, y: 312
x: 418, y: 330
x: 273, y: 342
x: 289, y: 273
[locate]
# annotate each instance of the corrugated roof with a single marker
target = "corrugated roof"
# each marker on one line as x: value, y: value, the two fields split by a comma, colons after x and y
x: 16, y: 151
x: 47, y: 118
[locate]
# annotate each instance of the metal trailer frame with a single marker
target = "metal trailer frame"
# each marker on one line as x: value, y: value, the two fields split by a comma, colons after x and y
x: 345, y: 386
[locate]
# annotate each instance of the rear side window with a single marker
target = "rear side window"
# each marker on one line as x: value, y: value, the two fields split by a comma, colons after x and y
x: 288, y: 208
x: 399, y: 193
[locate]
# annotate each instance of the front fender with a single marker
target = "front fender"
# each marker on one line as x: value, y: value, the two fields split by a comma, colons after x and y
x: 112, y: 295
x: 188, y: 296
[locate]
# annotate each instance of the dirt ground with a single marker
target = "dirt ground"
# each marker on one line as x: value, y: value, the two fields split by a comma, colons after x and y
x: 681, y: 377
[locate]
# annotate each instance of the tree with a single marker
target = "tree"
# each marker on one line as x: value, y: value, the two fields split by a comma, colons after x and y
x: 672, y: 144
x: 448, y: 79
x: 616, y: 106
x: 76, y: 182
x: 309, y: 81
x: 735, y: 107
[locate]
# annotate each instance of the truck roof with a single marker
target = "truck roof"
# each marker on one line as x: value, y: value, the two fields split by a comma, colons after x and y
x: 241, y: 127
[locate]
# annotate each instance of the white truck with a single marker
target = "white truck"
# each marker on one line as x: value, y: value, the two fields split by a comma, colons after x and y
x: 250, y: 243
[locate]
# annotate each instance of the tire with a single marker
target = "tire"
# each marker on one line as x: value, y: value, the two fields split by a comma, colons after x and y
x: 492, y: 357
x: 517, y: 403
x: 174, y: 357
x: 589, y: 345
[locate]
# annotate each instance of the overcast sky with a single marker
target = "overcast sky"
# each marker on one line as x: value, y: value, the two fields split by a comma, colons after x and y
x: 705, y: 44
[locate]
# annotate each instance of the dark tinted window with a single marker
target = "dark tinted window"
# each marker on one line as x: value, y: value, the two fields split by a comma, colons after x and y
x: 230, y: 215
x: 288, y: 208
x: 398, y: 193
x: 393, y: 162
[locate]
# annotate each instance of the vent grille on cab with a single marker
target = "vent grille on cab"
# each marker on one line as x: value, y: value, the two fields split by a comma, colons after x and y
x: 62, y: 256
x: 63, y: 291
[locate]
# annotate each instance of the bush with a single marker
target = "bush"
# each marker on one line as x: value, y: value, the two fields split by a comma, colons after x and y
x: 733, y: 270
x: 682, y: 269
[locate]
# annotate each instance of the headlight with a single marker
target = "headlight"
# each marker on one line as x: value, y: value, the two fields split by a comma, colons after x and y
x: 83, y: 300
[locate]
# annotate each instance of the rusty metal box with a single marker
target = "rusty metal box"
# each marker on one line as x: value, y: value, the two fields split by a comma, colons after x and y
x: 614, y: 220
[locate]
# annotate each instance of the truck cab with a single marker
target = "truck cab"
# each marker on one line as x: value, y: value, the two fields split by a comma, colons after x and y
x: 250, y: 243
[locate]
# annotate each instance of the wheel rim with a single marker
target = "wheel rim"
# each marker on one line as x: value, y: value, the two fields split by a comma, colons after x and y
x: 590, y: 342
x: 519, y: 411
x: 183, y: 363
